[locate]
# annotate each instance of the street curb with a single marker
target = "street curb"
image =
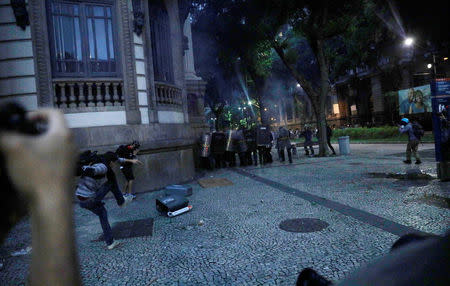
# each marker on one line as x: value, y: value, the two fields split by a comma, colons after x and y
x: 380, y: 142
x: 376, y: 142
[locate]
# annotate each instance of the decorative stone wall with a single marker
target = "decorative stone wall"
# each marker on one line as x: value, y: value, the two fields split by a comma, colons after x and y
x: 17, y: 69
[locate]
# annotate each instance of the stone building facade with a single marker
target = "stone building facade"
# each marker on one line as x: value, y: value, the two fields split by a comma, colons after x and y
x: 120, y: 70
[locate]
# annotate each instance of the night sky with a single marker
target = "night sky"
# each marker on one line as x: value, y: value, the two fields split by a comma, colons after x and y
x: 426, y: 18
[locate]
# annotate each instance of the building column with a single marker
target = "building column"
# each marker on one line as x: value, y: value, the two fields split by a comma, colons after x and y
x: 189, y: 67
x: 378, y: 99
x: 193, y: 83
x: 141, y: 69
x: 41, y: 51
x: 133, y: 114
x: 177, y: 52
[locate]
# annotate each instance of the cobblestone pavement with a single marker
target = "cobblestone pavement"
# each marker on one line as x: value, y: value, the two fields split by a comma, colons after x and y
x: 240, y: 242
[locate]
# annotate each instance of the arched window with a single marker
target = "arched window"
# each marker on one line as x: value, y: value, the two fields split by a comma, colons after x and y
x: 161, y: 45
x: 82, y: 38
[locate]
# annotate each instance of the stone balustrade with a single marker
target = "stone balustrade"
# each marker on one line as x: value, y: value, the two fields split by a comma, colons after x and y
x: 168, y: 95
x: 76, y: 93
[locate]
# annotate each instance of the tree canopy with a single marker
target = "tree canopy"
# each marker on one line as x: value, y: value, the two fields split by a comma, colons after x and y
x: 317, y: 41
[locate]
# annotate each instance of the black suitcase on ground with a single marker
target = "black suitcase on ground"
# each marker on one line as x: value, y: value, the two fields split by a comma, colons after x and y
x: 171, y: 203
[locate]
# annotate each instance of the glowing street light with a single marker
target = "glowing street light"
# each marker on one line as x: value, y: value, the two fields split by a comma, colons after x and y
x: 408, y: 42
x: 265, y: 109
x: 429, y: 66
x: 298, y: 85
x: 239, y: 108
x: 249, y: 102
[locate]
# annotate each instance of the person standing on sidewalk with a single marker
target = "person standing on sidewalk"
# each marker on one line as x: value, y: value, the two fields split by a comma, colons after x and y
x: 329, y: 134
x: 284, y: 143
x: 129, y: 152
x: 413, y: 141
x: 308, y: 134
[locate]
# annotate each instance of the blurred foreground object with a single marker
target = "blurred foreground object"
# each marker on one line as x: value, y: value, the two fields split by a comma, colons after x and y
x: 39, y: 167
x: 419, y: 262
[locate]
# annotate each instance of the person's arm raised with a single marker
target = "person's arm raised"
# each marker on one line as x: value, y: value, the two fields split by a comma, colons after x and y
x: 132, y: 161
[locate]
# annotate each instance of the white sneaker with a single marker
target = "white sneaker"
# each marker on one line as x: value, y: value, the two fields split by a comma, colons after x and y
x: 127, y: 200
x: 113, y: 245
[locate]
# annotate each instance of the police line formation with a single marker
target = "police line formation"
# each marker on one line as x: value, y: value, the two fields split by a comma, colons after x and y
x: 218, y: 149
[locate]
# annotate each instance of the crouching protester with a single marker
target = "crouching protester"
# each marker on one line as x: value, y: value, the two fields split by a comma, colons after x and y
x: 97, y: 179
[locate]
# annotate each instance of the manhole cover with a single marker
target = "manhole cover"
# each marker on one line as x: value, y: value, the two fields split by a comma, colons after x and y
x: 303, y: 225
x: 131, y: 228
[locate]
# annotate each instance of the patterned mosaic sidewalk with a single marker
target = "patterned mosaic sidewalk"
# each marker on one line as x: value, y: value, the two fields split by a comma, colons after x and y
x: 236, y: 234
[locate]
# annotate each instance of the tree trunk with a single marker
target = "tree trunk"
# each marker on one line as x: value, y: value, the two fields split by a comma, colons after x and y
x: 322, y: 127
x: 324, y: 90
x: 320, y: 116
x: 264, y: 117
x: 318, y: 100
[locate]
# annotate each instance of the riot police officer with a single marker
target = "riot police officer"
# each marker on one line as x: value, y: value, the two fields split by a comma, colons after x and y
x: 250, y: 139
x: 308, y: 134
x: 230, y: 152
x: 241, y: 146
x: 205, y: 151
x: 284, y: 142
x: 218, y: 145
x: 264, y: 144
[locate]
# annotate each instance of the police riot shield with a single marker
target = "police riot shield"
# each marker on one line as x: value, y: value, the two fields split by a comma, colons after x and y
x: 230, y: 146
x: 205, y: 145
x: 218, y: 143
x: 263, y: 136
x: 239, y: 141
x: 250, y: 138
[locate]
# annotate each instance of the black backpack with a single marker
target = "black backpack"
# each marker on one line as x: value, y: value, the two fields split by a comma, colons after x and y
x: 122, y: 151
x: 418, y: 130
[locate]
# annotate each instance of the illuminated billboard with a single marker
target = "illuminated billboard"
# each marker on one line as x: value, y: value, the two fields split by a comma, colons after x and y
x: 414, y: 100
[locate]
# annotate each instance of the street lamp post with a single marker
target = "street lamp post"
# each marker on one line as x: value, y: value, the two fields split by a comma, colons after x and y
x: 434, y: 66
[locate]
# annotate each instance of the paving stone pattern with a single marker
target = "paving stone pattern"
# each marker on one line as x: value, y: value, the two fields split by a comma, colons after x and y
x: 232, y: 235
